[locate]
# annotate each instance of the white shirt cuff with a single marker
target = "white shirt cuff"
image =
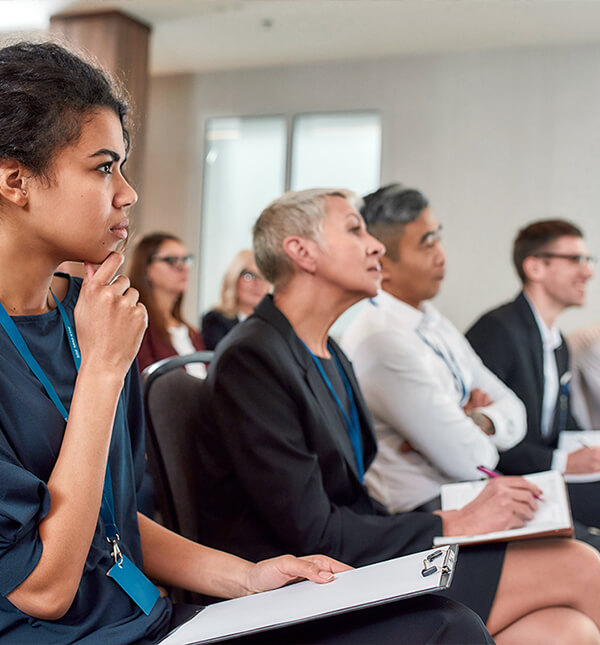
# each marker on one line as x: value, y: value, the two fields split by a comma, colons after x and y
x: 501, y: 437
x: 559, y: 460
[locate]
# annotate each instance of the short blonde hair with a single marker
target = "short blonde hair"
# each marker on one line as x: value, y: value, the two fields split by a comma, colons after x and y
x: 228, y: 305
x: 294, y: 213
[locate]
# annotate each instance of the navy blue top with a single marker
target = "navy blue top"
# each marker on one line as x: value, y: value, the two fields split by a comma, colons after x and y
x: 31, y: 432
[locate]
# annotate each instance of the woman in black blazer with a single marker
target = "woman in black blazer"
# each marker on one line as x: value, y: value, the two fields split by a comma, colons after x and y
x: 283, y: 467
x: 241, y: 290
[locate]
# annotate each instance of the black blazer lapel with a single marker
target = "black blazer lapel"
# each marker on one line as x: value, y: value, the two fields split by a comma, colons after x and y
x: 366, y: 424
x: 532, y: 346
x: 267, y: 310
x: 332, y: 415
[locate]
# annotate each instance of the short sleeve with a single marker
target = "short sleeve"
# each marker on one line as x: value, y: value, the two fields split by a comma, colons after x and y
x: 132, y: 399
x: 24, y: 502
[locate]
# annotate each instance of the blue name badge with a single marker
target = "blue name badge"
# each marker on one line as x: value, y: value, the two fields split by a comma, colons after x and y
x: 135, y: 584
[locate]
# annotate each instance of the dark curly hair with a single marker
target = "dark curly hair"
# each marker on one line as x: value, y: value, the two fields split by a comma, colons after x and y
x: 46, y: 93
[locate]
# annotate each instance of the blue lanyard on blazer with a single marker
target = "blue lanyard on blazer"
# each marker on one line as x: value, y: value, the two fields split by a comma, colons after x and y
x: 563, y: 400
x: 352, y: 422
x: 107, y: 508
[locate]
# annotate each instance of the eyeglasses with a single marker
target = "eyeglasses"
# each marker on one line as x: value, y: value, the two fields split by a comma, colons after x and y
x: 176, y: 261
x: 574, y: 258
x: 250, y: 276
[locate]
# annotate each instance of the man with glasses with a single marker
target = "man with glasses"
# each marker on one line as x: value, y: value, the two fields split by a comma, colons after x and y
x: 521, y: 343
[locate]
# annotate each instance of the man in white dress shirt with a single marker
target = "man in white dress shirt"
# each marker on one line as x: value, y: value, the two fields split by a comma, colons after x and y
x: 438, y: 412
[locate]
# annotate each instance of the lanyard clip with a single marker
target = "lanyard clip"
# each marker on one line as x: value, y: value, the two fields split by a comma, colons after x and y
x: 116, y: 552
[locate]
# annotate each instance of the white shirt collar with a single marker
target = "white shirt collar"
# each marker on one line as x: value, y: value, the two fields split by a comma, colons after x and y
x: 422, y: 318
x: 551, y: 339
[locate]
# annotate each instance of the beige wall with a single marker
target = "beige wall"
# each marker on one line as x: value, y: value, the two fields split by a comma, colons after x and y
x: 495, y: 140
x: 172, y: 170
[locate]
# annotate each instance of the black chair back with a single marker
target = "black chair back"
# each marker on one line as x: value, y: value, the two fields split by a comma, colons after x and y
x: 176, y: 404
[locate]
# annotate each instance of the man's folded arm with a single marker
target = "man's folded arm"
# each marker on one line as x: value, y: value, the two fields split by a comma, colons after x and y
x: 403, y: 391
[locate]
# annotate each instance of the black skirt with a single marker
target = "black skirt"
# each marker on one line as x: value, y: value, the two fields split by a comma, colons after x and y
x: 476, y: 576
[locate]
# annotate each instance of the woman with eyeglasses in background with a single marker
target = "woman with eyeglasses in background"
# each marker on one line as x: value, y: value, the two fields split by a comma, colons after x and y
x: 242, y: 289
x: 73, y: 547
x: 159, y: 270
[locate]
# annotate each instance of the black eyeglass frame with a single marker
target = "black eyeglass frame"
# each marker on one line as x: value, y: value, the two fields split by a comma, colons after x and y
x: 250, y: 276
x: 175, y: 261
x: 577, y: 258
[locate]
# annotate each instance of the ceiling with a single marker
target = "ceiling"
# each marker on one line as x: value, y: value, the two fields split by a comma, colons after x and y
x: 203, y: 35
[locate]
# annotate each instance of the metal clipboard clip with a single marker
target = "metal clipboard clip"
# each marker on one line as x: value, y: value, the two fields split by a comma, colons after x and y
x: 432, y: 564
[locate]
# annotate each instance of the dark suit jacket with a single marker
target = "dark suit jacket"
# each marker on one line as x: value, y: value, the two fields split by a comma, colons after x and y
x: 508, y: 341
x: 279, y: 471
x: 215, y: 326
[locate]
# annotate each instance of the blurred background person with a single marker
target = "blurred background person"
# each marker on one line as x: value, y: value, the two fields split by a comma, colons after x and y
x: 584, y: 347
x: 159, y: 270
x: 242, y: 289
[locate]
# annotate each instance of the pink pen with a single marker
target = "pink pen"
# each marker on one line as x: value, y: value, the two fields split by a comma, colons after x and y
x: 493, y: 473
x: 488, y: 472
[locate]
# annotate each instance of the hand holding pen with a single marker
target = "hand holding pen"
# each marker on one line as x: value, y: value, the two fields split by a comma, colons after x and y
x: 492, y: 474
x: 505, y: 503
x: 584, y: 460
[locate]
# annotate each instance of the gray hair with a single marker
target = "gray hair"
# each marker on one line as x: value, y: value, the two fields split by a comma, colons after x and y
x: 294, y: 213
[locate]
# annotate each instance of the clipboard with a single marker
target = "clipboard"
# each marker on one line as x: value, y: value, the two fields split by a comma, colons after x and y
x: 375, y: 584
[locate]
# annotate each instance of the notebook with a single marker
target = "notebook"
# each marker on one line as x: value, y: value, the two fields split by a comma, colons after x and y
x: 352, y: 590
x: 553, y: 517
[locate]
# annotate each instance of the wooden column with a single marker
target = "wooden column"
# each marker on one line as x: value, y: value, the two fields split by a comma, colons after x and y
x: 120, y: 43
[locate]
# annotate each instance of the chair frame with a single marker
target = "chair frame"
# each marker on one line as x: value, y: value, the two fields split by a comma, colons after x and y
x: 165, y: 495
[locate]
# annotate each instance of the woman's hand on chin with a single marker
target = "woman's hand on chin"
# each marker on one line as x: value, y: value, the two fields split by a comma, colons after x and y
x: 109, y: 318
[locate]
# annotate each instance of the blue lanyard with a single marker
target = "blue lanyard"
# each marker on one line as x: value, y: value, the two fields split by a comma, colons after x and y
x: 563, y: 401
x: 107, y: 508
x: 452, y: 366
x: 74, y: 347
x: 352, y: 421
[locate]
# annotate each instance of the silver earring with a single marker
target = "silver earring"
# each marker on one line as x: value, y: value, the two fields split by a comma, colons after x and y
x: 24, y: 192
